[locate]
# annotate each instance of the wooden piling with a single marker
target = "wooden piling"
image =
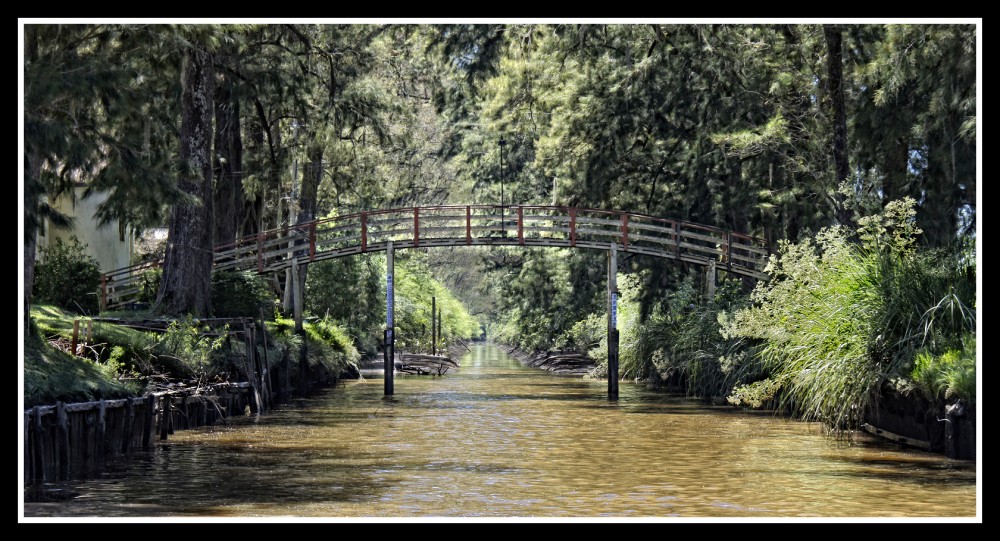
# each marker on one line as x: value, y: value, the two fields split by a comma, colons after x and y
x: 267, y: 363
x: 76, y: 335
x: 710, y: 280
x: 40, y: 471
x: 63, y: 439
x: 101, y: 429
x: 127, y: 434
x: 149, y: 426
x: 164, y: 416
x: 388, y: 366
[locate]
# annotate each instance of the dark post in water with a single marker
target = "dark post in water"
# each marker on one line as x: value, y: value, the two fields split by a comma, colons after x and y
x: 612, y: 322
x: 390, y: 339
x: 433, y: 326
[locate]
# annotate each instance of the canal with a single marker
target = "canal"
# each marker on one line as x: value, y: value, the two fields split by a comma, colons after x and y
x: 496, y: 439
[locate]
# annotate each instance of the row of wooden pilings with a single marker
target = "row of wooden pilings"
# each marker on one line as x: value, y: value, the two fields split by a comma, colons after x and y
x: 64, y: 441
x: 73, y: 440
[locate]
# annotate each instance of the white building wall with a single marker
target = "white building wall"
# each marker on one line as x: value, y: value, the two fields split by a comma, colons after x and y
x: 103, y: 243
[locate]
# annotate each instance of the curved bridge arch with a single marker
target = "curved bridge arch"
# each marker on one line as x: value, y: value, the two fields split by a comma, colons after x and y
x: 469, y: 225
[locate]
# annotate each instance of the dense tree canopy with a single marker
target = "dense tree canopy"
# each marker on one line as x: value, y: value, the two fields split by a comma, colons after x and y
x: 776, y: 130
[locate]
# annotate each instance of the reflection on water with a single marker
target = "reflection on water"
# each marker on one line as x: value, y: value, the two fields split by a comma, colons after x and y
x: 495, y: 439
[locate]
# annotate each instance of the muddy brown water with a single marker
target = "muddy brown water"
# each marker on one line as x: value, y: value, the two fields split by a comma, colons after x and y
x: 496, y: 439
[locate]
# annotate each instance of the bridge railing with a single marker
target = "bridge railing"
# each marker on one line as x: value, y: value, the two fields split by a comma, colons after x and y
x: 471, y: 225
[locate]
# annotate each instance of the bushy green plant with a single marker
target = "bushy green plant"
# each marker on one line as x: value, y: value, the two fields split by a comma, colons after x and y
x: 116, y: 366
x: 68, y: 277
x: 240, y: 294
x: 949, y: 376
x: 585, y: 334
x: 184, y: 343
x: 814, y: 319
x: 326, y: 344
x: 683, y: 340
x: 838, y: 319
x: 149, y: 285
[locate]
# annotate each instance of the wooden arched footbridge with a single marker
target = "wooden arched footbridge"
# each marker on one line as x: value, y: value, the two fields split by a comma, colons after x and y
x: 469, y: 225
x: 474, y: 225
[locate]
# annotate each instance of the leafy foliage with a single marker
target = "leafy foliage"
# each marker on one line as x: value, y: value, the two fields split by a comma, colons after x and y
x: 52, y: 375
x: 240, y: 294
x: 195, y: 354
x: 68, y: 277
x: 949, y: 376
x: 415, y: 287
x: 729, y: 125
x: 324, y: 344
x: 837, y: 320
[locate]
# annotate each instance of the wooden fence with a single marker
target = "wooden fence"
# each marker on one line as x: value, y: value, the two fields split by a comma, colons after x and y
x: 72, y: 440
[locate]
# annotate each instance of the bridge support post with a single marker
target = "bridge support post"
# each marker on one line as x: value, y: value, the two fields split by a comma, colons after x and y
x: 296, y: 295
x: 612, y: 322
x: 388, y: 366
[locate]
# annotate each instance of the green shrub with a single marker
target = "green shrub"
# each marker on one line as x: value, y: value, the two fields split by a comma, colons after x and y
x: 68, y: 277
x: 326, y: 345
x: 839, y: 319
x: 149, y: 285
x: 240, y: 294
x: 187, y: 352
x: 949, y: 376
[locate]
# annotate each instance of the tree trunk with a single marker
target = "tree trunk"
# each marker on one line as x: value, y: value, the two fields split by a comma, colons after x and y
x: 937, y: 215
x: 288, y: 301
x: 187, y: 272
x: 228, y: 164
x: 896, y: 161
x: 33, y: 171
x: 311, y: 177
x: 835, y: 73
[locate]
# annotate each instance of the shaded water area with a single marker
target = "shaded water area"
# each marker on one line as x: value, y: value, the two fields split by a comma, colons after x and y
x: 496, y: 439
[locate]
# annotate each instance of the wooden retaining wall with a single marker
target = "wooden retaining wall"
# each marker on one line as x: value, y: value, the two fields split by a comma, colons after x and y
x: 67, y: 441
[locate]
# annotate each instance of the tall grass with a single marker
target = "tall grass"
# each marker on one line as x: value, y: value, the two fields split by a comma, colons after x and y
x: 838, y: 319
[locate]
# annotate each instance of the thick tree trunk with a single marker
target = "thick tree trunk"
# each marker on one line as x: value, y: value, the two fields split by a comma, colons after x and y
x: 187, y: 271
x: 228, y: 164
x: 835, y: 73
x: 311, y: 177
x: 33, y: 170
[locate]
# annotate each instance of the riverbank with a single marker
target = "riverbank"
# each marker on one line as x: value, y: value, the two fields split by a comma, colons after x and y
x: 560, y: 362
x: 450, y: 359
